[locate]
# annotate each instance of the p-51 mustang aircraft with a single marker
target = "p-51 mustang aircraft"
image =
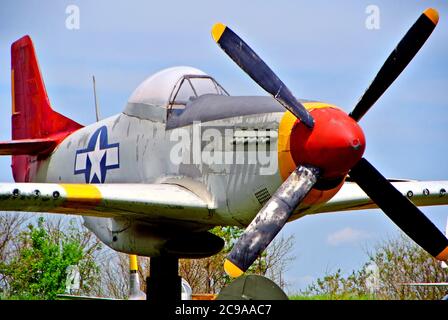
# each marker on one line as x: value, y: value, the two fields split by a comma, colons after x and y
x: 185, y: 156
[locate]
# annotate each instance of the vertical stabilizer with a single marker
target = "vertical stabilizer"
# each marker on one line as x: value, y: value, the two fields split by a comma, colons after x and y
x: 32, y: 115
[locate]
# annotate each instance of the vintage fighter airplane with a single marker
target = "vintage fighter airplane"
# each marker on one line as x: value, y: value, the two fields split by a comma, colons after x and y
x: 184, y: 156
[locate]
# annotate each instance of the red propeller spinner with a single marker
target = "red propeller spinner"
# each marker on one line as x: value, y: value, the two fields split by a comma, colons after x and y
x: 335, y: 144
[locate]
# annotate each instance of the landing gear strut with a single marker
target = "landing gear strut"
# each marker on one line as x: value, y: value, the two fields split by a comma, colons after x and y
x: 164, y: 282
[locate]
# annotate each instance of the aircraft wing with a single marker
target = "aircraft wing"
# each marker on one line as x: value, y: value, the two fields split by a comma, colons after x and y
x: 427, y: 284
x: 146, y: 201
x: 421, y: 193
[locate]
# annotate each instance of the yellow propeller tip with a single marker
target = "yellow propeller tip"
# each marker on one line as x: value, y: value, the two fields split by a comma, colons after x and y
x: 443, y: 256
x: 432, y: 14
x: 232, y: 270
x: 217, y: 31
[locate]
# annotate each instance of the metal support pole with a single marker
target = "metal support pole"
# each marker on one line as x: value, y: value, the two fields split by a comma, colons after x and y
x: 164, y: 282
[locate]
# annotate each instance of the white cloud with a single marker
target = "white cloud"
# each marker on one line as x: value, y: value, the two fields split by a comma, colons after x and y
x: 346, y: 235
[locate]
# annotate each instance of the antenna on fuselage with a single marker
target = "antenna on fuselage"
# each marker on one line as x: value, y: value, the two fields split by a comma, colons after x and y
x: 97, y: 111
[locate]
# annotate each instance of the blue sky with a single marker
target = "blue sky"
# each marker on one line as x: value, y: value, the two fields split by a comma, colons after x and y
x: 321, y: 49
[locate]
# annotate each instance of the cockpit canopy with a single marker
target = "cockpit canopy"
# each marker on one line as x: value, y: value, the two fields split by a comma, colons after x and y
x: 170, y: 89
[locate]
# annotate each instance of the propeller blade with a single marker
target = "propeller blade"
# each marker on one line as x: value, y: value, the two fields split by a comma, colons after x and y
x: 397, y: 61
x: 259, y: 71
x: 270, y: 220
x: 400, y: 210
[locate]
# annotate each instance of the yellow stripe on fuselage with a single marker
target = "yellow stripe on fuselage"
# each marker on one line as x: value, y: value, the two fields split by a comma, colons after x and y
x: 286, y: 163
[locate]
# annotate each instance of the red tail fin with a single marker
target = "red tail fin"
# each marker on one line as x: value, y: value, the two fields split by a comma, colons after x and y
x: 32, y: 115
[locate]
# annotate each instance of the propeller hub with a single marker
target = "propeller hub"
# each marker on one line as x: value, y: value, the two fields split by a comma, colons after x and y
x: 334, y: 145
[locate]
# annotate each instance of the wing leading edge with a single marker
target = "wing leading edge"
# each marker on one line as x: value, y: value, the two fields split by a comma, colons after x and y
x: 421, y: 193
x: 174, y: 202
x: 146, y: 201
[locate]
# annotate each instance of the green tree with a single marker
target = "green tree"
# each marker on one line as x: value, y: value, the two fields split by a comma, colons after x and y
x: 391, y: 267
x: 207, y: 275
x: 204, y: 275
x: 38, y: 269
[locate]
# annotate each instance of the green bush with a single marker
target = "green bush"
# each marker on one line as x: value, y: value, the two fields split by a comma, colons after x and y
x: 392, y: 266
x: 38, y: 268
